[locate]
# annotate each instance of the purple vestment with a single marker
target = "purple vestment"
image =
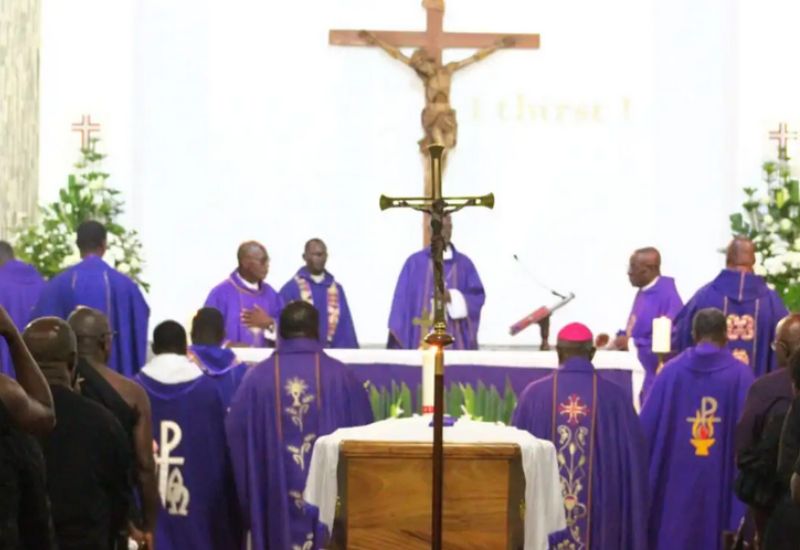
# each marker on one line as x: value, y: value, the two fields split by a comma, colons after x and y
x: 601, y: 454
x: 689, y: 421
x: 283, y: 405
x: 20, y: 286
x: 232, y: 297
x: 752, y: 310
x: 413, y: 295
x: 198, y: 499
x: 222, y: 365
x: 336, y: 328
x: 94, y: 283
x: 661, y: 299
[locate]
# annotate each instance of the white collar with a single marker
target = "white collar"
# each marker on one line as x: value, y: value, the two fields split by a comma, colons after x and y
x: 246, y: 284
x: 652, y: 283
x: 317, y: 278
x: 171, y: 368
x: 448, y: 253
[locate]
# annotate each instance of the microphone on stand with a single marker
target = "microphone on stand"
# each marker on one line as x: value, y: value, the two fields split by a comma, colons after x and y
x: 533, y: 278
x: 541, y: 315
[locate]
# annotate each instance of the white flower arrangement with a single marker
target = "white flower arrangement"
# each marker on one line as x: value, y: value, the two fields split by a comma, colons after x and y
x: 49, y: 244
x: 771, y: 219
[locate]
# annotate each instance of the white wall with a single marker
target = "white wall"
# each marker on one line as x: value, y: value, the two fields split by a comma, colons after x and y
x: 236, y: 120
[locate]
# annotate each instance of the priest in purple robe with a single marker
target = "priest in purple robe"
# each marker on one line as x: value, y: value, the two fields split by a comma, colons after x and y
x: 601, y: 451
x: 315, y: 285
x: 249, y: 305
x: 412, y: 306
x: 689, y: 422
x: 20, y: 286
x: 95, y: 284
x: 283, y: 405
x: 208, y: 353
x: 657, y: 297
x: 195, y: 481
x: 751, y: 308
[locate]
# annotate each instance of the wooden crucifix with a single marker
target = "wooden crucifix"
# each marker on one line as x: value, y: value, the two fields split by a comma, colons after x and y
x: 438, y: 117
x: 437, y: 207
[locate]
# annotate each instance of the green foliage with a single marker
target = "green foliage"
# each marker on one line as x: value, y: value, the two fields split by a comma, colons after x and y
x: 49, y: 244
x: 480, y: 403
x: 771, y: 218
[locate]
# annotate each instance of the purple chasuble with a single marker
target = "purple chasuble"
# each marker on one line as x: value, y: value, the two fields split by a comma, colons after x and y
x: 20, y: 286
x: 752, y: 310
x: 661, y: 299
x: 601, y: 454
x: 221, y: 365
x: 413, y: 298
x: 94, y: 283
x: 336, y: 328
x: 689, y: 422
x: 283, y: 405
x: 198, y: 500
x: 231, y: 297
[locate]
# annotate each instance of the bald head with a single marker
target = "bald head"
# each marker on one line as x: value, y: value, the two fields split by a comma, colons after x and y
x: 741, y: 255
x: 6, y: 252
x: 644, y: 266
x: 52, y: 344
x: 787, y: 339
x: 253, y: 261
x: 93, y: 333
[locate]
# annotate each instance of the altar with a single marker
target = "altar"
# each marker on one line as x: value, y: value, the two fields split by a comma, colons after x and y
x: 485, y: 383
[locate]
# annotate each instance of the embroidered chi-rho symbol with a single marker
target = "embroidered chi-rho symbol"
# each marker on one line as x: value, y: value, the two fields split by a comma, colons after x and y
x: 573, y: 409
x: 703, y: 426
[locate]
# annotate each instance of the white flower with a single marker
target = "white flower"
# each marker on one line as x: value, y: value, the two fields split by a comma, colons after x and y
x: 759, y: 269
x: 764, y: 199
x: 125, y: 268
x: 786, y: 225
x: 768, y: 220
x: 775, y: 265
x: 96, y: 185
x: 135, y: 264
x: 777, y: 248
x: 793, y: 259
x: 72, y: 259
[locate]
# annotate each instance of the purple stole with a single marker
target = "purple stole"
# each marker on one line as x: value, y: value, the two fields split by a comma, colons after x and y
x: 332, y: 306
x: 297, y: 405
x: 574, y: 421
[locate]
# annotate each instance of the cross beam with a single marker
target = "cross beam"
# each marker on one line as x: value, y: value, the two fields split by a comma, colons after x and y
x: 434, y: 38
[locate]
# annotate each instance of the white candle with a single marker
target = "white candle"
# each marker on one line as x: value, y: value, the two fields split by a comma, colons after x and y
x: 428, y: 373
x: 662, y: 335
